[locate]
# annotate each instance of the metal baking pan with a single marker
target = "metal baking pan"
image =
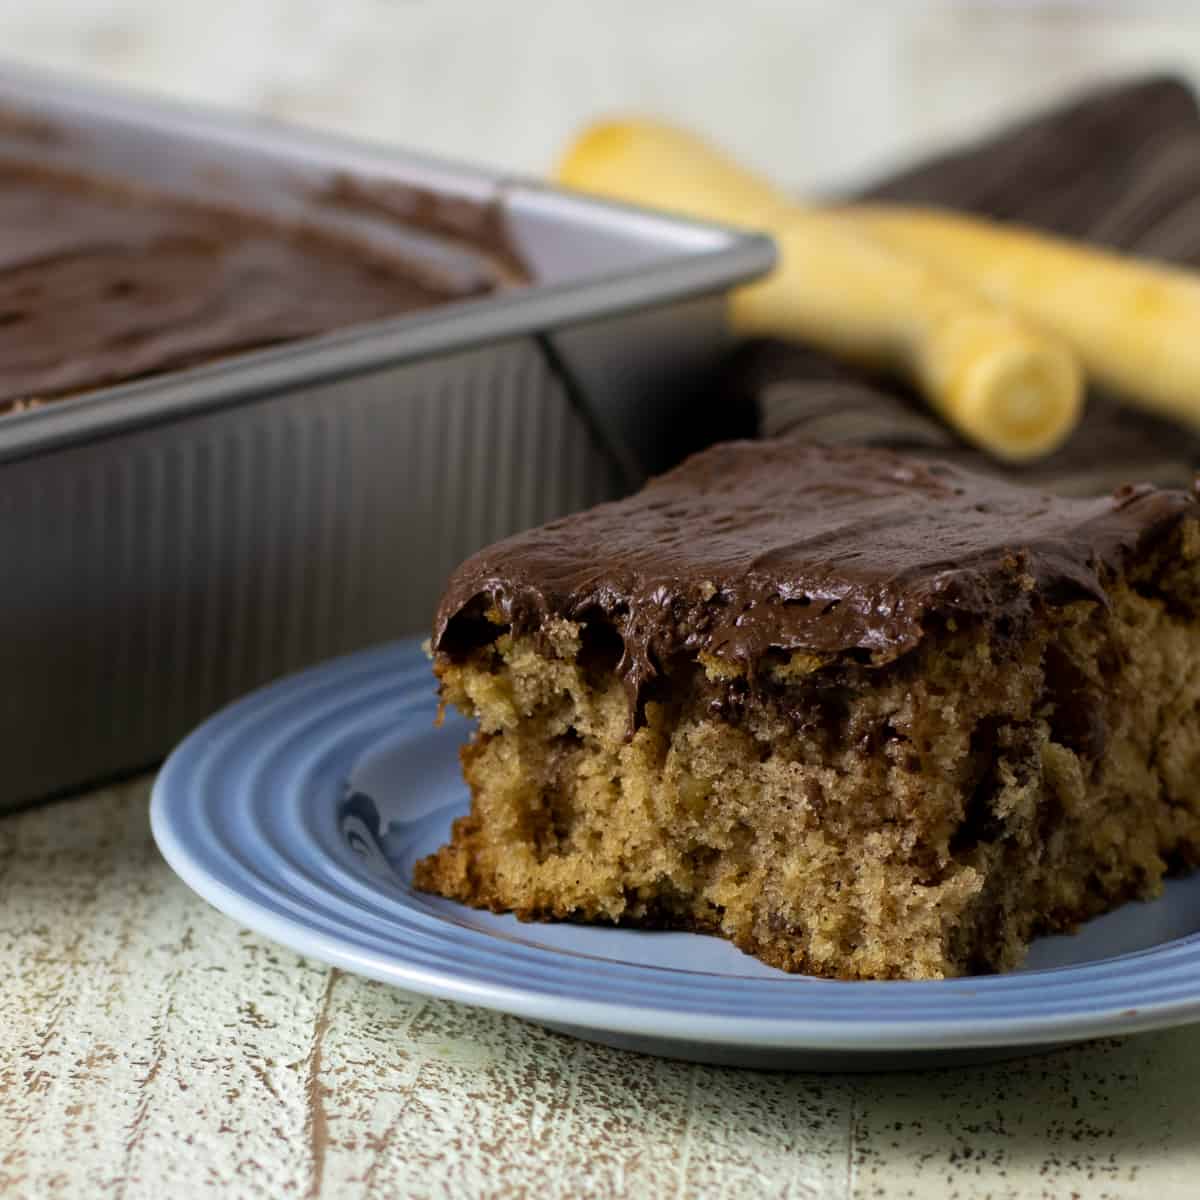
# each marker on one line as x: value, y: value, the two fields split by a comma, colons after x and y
x: 171, y: 544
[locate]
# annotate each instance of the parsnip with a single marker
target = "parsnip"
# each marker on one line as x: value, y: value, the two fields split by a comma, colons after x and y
x: 1005, y: 385
x: 1134, y: 325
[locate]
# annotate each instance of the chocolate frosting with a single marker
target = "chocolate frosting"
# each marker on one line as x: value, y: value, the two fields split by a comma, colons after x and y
x: 754, y: 546
x: 481, y: 228
x: 100, y: 283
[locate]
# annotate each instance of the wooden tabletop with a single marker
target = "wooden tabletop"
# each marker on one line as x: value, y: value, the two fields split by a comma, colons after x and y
x: 151, y: 1048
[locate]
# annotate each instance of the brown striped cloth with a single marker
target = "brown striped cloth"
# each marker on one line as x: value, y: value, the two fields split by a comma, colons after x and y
x: 1119, y: 167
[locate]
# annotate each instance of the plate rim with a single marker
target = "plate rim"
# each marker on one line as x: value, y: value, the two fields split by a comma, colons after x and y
x: 632, y: 1019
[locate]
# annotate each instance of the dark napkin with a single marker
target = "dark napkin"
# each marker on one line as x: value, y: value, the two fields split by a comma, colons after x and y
x: 1119, y: 167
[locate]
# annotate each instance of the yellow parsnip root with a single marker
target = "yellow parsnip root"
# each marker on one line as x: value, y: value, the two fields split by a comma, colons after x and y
x: 1005, y: 385
x: 1133, y: 325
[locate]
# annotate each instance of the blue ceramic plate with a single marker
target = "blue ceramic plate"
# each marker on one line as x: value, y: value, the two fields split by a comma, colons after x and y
x: 300, y: 810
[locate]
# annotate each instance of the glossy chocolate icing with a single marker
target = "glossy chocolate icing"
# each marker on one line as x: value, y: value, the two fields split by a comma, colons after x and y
x: 100, y: 283
x: 787, y: 545
x: 480, y: 228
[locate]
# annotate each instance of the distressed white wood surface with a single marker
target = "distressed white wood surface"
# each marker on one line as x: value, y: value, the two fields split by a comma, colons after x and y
x: 149, y: 1048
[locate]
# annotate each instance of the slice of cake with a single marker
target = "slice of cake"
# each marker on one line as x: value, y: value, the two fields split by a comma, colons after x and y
x: 866, y: 717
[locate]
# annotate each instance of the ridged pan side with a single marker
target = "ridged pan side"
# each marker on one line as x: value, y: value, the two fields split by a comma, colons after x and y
x: 219, y: 552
